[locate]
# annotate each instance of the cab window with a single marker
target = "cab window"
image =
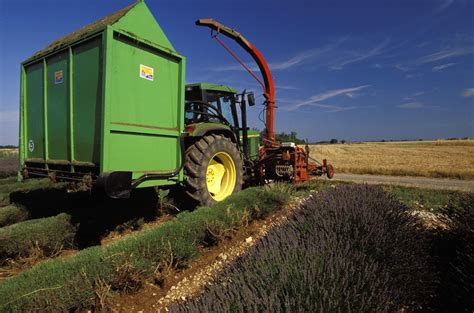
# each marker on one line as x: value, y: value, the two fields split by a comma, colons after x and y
x: 226, y: 109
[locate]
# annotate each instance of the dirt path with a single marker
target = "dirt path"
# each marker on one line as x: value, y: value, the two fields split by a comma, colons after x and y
x: 409, y: 181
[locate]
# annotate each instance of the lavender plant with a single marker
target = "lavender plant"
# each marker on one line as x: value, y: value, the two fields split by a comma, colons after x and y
x: 353, y: 248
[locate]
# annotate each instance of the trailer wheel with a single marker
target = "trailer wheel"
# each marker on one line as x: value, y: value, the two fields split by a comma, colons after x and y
x: 214, y: 170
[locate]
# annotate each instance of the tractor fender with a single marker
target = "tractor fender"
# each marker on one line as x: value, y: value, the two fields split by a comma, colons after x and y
x: 201, y: 130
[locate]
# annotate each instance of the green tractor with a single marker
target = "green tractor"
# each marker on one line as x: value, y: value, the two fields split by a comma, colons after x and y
x: 219, y: 146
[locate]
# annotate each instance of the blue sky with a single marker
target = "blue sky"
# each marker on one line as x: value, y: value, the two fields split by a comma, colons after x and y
x: 354, y: 70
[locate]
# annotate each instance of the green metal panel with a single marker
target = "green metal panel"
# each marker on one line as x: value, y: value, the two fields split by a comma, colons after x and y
x: 153, y: 102
x: 139, y: 22
x: 254, y: 142
x: 57, y: 79
x: 142, y: 153
x: 148, y: 121
x: 87, y: 100
x: 106, y: 96
x: 21, y: 138
x: 34, y: 135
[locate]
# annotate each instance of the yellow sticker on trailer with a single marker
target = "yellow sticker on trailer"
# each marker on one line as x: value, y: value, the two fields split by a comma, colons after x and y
x: 146, y: 72
x: 58, y: 77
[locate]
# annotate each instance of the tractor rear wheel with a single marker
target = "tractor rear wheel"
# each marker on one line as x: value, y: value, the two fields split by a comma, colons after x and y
x: 214, y: 170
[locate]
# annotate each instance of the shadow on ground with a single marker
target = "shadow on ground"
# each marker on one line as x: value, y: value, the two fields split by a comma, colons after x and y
x: 94, y: 215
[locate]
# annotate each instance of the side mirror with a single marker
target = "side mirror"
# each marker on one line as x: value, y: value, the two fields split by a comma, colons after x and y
x: 251, y: 99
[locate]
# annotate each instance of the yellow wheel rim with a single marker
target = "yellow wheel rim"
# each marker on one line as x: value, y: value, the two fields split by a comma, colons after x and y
x: 221, y: 176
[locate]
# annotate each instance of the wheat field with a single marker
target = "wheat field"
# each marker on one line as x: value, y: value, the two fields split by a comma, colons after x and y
x: 440, y: 158
x: 8, y: 153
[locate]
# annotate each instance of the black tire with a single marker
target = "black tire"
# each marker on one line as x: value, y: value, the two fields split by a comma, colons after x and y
x: 197, y: 160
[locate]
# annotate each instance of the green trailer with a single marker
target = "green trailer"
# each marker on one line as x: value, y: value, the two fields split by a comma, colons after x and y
x: 105, y: 105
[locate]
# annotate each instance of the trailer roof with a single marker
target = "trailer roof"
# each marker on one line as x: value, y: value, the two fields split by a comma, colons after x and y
x: 83, y: 32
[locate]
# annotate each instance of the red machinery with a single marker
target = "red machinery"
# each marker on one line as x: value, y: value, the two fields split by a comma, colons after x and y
x: 277, y: 161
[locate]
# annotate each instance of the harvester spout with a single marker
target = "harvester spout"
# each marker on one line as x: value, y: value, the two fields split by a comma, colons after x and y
x: 267, y: 84
x: 277, y: 161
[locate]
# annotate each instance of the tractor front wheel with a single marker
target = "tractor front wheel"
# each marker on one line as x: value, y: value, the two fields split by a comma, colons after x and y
x: 214, y: 169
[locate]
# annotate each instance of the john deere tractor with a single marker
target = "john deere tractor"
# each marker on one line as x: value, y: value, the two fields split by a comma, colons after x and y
x: 219, y: 146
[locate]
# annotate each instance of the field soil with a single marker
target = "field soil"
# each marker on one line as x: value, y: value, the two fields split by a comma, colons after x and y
x: 181, y: 285
x: 438, y: 159
x: 408, y: 181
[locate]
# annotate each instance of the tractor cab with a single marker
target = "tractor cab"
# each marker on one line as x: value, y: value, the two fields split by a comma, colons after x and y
x: 219, y: 108
x: 211, y: 103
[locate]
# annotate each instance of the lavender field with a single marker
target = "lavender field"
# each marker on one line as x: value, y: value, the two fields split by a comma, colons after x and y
x: 353, y: 248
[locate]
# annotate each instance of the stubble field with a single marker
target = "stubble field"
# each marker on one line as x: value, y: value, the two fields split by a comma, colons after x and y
x: 8, y: 162
x: 440, y: 158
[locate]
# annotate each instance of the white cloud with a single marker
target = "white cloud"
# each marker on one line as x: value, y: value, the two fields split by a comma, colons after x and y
x: 299, y: 58
x: 402, y: 67
x: 418, y: 94
x: 336, y: 92
x: 286, y: 87
x: 315, y: 99
x: 342, y: 109
x: 361, y: 56
x: 411, y: 105
x: 469, y: 92
x: 296, y: 60
x: 337, y: 108
x: 414, y: 75
x: 422, y: 44
x: 9, y: 116
x: 444, y: 54
x: 329, y: 108
x: 442, y: 67
x: 225, y: 68
x: 443, y: 6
